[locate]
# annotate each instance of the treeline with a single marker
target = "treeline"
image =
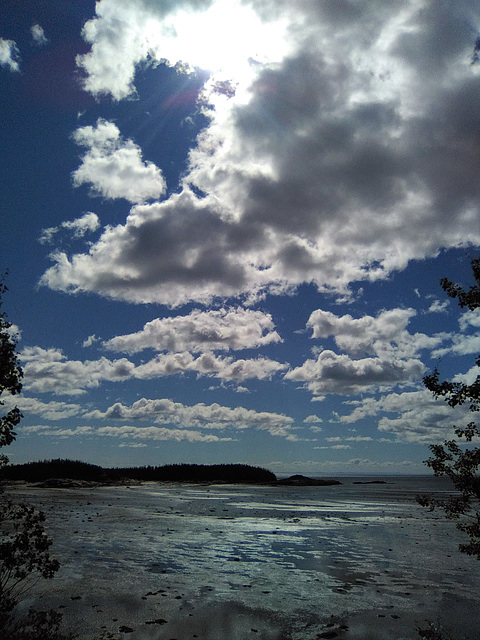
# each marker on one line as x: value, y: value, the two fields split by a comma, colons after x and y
x: 76, y: 470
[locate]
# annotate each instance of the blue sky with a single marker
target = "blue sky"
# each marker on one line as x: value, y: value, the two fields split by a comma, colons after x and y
x: 225, y: 224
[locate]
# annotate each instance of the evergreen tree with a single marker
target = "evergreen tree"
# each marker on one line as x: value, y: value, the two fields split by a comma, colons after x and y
x: 460, y: 464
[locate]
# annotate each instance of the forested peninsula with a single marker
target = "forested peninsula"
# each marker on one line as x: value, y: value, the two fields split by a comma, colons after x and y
x: 71, y: 473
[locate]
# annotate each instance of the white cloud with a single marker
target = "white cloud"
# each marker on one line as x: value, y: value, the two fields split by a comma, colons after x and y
x: 210, y: 365
x: 127, y: 433
x: 335, y: 446
x: 392, y: 353
x: 470, y: 319
x: 124, y: 35
x: 38, y: 35
x: 361, y: 127
x: 88, y: 222
x: 439, y: 307
x: 159, y: 433
x: 48, y: 410
x: 465, y: 342
x: 199, y: 416
x: 472, y: 375
x: 49, y: 370
x: 91, y: 340
x: 460, y: 345
x: 333, y: 373
x: 133, y: 445
x: 413, y: 416
x: 313, y: 421
x: 114, y: 166
x: 221, y: 329
x: 14, y: 332
x: 45, y: 430
x: 118, y: 38
x: 381, y: 336
x: 9, y: 55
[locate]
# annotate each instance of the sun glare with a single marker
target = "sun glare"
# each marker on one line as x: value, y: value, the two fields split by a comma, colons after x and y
x: 226, y: 40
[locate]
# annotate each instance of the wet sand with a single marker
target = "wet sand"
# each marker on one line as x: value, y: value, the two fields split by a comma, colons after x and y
x: 155, y: 562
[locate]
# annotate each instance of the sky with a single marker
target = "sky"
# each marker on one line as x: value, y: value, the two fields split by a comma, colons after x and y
x: 225, y: 222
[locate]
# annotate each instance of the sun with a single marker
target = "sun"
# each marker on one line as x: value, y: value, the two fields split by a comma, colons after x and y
x: 228, y: 39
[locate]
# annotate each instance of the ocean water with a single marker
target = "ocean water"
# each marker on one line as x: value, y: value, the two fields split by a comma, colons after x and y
x: 231, y: 562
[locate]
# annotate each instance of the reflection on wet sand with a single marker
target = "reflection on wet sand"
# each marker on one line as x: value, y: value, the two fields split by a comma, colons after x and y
x: 227, y: 562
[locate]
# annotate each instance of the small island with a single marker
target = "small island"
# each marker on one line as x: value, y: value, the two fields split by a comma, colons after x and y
x: 74, y: 473
x: 305, y: 481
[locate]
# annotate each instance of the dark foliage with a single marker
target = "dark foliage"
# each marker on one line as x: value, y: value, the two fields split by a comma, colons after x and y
x: 228, y: 473
x: 37, y: 625
x: 44, y: 470
x: 24, y: 544
x: 75, y: 470
x: 24, y: 552
x: 449, y: 459
x: 10, y: 380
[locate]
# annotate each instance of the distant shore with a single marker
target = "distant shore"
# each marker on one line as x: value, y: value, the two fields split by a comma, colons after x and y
x: 74, y: 473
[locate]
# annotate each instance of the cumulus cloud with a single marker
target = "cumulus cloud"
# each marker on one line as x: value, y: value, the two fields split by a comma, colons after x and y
x: 208, y: 364
x: 334, y: 373
x: 467, y: 341
x: 439, y: 307
x: 215, y: 416
x: 128, y: 433
x: 221, y: 329
x: 38, y: 35
x: 48, y: 410
x: 351, y: 130
x: 124, y: 35
x: 49, y: 370
x: 383, y: 335
x: 114, y: 167
x: 470, y: 319
x: 88, y: 222
x: 159, y: 433
x: 390, y: 353
x: 413, y: 416
x: 472, y: 375
x: 46, y: 430
x: 460, y: 345
x: 9, y: 55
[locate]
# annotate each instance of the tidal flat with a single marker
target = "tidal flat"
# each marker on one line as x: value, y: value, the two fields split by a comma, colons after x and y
x: 236, y: 562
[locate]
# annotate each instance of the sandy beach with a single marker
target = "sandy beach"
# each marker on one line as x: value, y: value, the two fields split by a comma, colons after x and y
x: 163, y: 562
